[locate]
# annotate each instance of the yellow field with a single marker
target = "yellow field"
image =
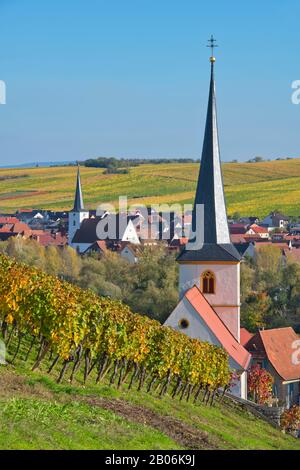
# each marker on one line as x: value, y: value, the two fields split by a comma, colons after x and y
x: 251, y: 188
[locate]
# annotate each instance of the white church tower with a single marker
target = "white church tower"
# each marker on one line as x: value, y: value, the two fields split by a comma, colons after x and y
x: 78, y: 213
x: 213, y: 267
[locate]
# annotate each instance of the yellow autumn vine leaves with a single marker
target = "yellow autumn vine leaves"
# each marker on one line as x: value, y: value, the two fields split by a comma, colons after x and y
x: 66, y: 317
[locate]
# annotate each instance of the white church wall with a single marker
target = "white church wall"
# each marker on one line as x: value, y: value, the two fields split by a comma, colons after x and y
x: 226, y: 299
x: 227, y: 281
x: 240, y: 386
x: 197, y: 327
x: 75, y: 219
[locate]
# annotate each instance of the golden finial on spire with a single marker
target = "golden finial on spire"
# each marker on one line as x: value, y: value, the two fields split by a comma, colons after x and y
x: 212, y: 44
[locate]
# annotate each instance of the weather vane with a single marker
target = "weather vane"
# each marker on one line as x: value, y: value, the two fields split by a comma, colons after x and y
x: 212, y: 44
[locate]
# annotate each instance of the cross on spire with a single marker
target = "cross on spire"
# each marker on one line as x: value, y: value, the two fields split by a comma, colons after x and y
x: 212, y: 44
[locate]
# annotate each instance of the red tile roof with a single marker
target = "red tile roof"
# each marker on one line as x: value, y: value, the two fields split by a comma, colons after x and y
x: 253, y: 238
x: 47, y: 239
x: 280, y: 347
x: 8, y: 220
x: 18, y: 227
x: 238, y: 228
x: 240, y: 355
x: 245, y: 336
x: 37, y: 232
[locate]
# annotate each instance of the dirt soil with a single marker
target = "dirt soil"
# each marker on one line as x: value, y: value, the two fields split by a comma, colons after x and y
x: 183, y: 434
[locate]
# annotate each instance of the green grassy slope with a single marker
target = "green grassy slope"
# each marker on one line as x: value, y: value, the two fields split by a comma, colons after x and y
x: 251, y: 188
x: 37, y: 413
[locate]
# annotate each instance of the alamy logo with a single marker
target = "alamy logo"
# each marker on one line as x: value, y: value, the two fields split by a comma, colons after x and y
x: 2, y: 92
x: 296, y: 93
x: 296, y: 353
x: 163, y: 222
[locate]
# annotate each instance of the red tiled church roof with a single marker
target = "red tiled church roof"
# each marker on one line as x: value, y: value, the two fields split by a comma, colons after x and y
x: 215, y: 324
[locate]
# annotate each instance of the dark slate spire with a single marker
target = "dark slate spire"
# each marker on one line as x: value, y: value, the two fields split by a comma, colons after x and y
x: 210, y: 191
x: 210, y: 194
x: 78, y: 201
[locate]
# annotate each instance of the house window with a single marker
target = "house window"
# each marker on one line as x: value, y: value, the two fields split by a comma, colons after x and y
x: 183, y: 323
x: 208, y: 282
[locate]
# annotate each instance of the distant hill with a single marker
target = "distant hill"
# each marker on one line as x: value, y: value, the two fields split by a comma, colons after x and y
x: 251, y: 188
x: 39, y: 164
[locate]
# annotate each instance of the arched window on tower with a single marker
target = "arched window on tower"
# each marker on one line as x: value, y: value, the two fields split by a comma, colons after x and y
x: 208, y: 282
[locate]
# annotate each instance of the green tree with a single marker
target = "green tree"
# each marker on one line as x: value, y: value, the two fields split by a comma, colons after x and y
x: 254, y: 311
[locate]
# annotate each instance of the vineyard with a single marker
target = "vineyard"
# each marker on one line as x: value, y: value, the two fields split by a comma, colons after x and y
x: 76, y: 331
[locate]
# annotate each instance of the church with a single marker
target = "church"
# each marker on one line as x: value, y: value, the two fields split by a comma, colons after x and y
x: 84, y: 226
x: 209, y: 275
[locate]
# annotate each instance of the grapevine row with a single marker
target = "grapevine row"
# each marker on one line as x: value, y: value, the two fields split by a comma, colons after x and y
x: 78, y: 330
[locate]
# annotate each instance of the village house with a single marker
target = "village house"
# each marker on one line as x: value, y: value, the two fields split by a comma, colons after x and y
x: 261, y: 232
x: 238, y: 229
x: 250, y: 231
x: 129, y: 251
x: 275, y: 220
x: 11, y: 227
x: 276, y: 351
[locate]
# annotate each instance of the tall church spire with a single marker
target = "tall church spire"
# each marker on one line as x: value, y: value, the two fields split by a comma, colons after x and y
x: 212, y: 229
x: 78, y: 201
x: 210, y: 261
x: 210, y: 191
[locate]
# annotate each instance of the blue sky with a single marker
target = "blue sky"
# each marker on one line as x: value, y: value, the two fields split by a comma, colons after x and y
x: 129, y: 78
